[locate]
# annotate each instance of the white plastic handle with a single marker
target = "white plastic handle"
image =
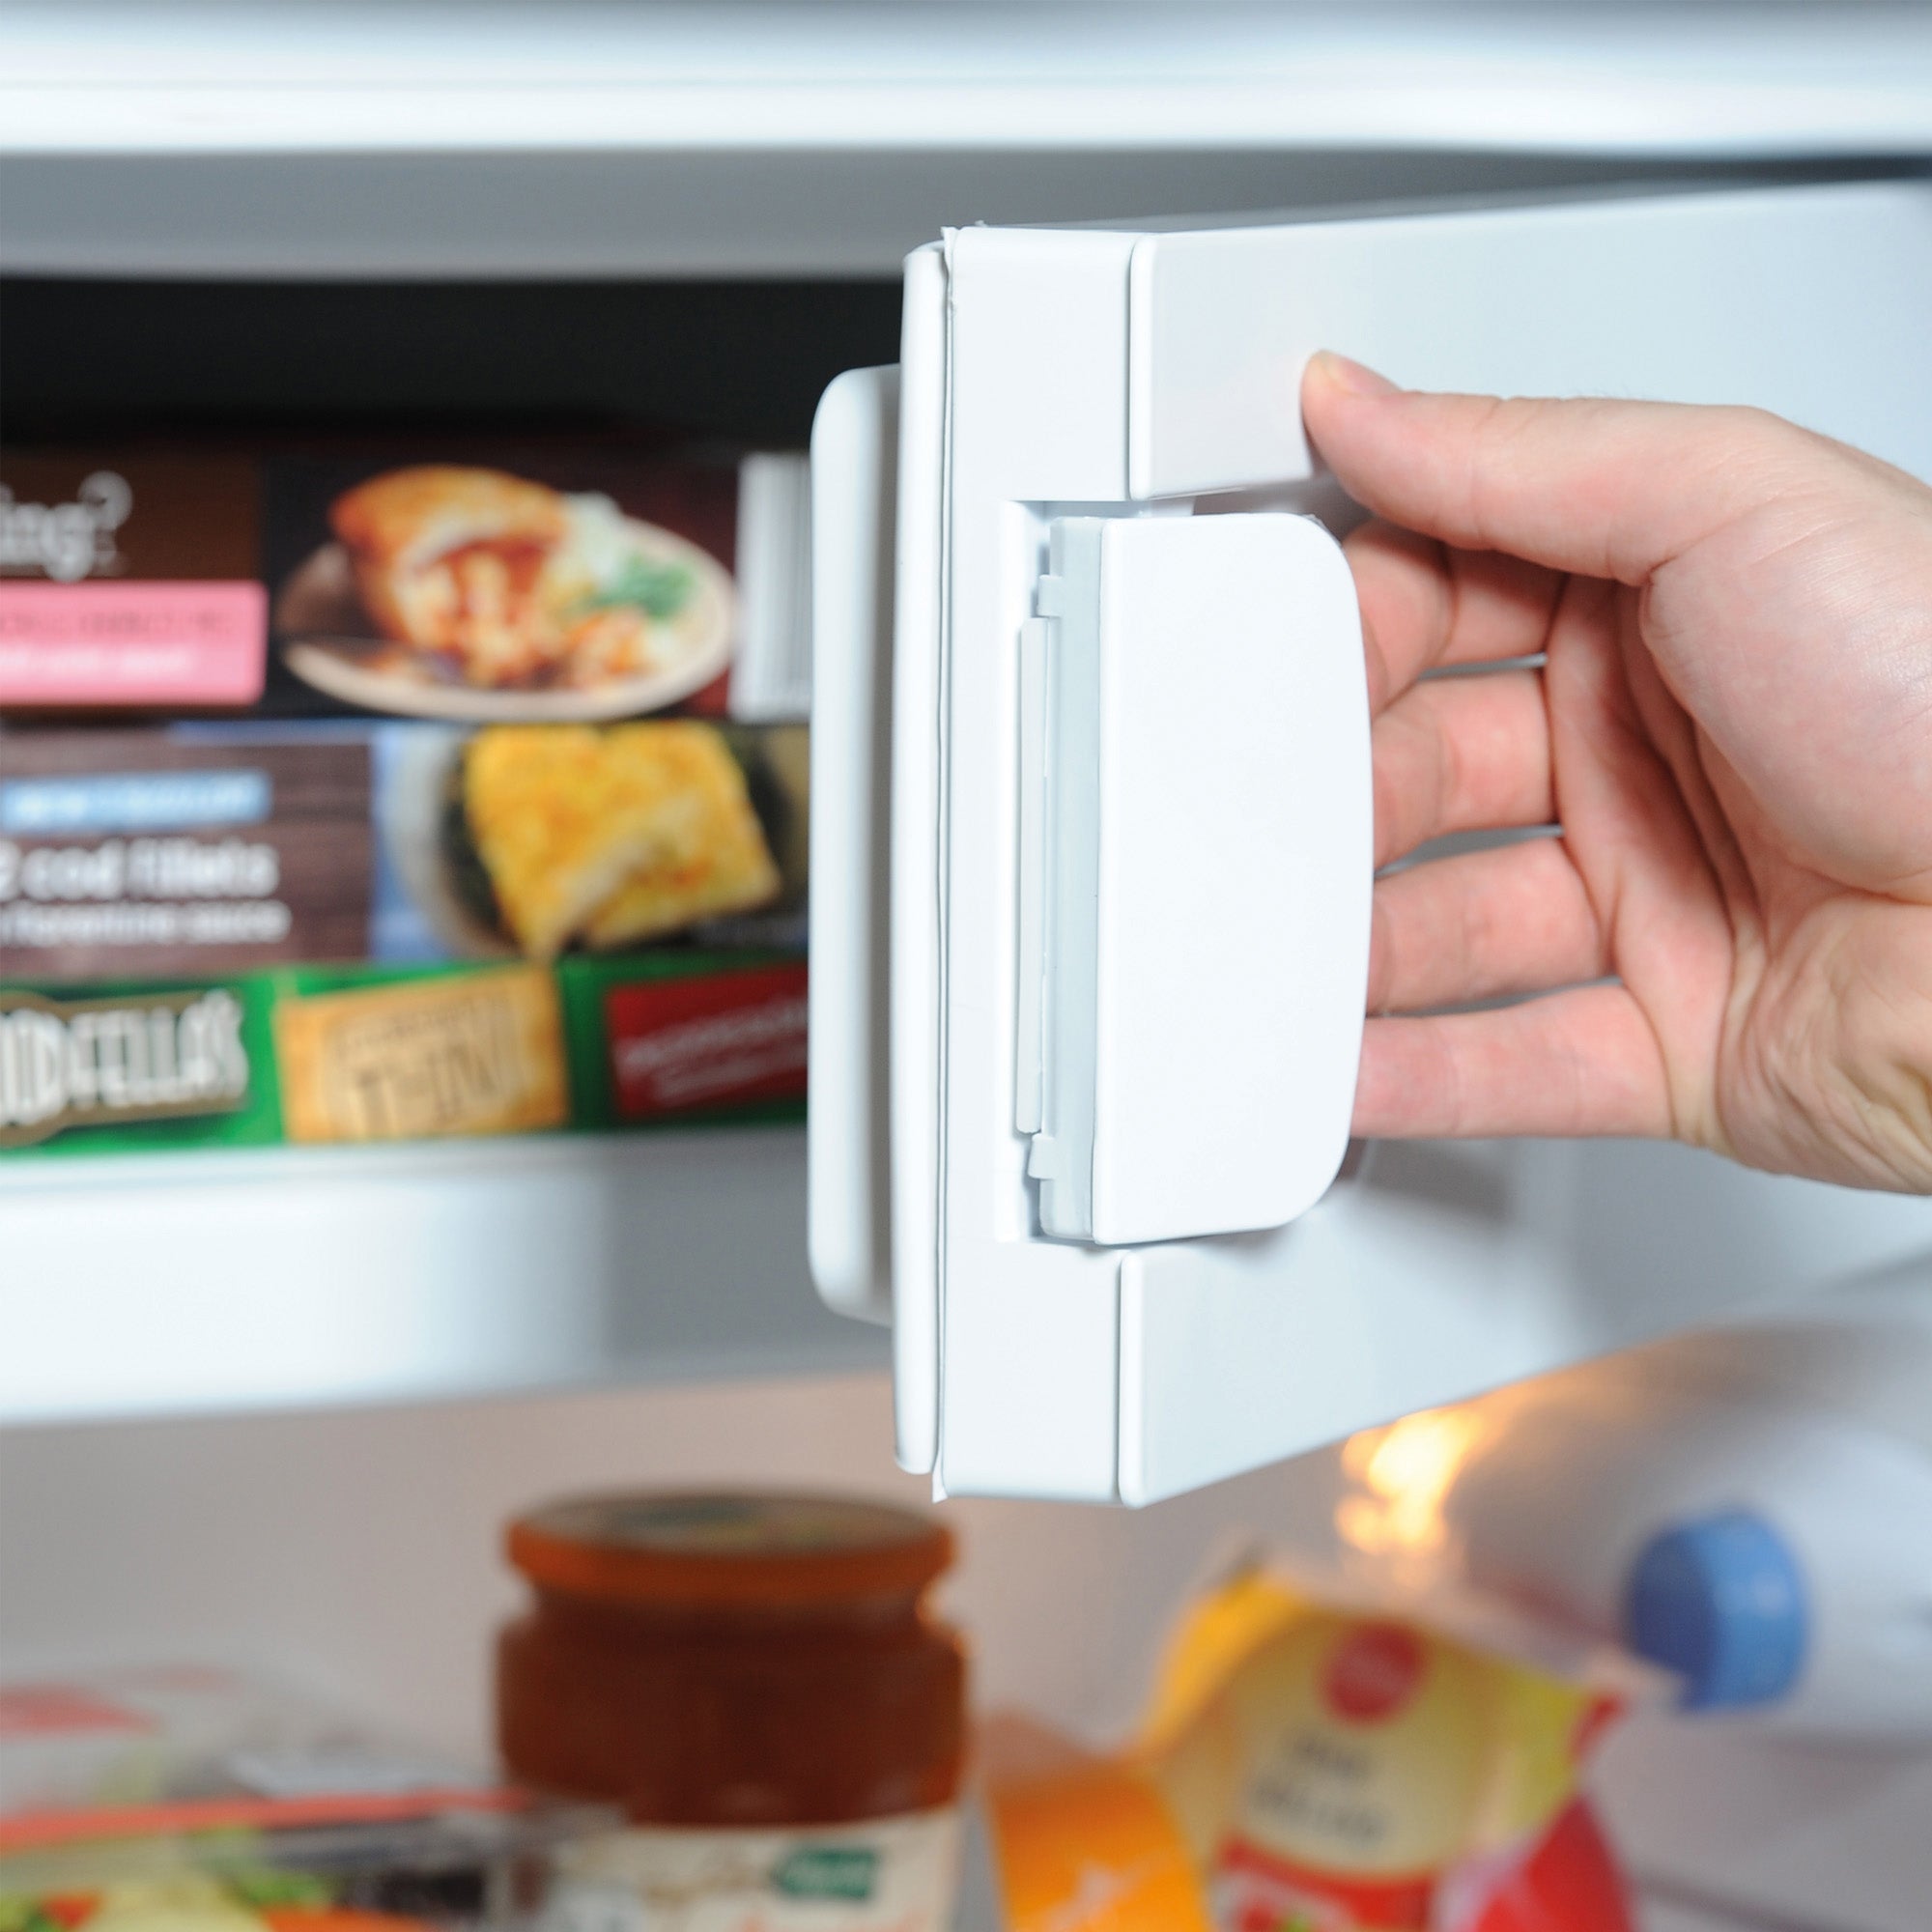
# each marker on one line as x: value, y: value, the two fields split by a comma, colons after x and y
x: 1200, y: 948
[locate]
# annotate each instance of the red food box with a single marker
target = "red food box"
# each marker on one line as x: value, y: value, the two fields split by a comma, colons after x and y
x: 721, y: 1040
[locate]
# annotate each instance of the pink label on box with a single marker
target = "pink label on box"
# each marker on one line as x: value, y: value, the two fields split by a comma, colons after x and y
x: 133, y: 643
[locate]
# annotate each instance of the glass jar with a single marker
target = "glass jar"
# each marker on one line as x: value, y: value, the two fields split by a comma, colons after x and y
x: 759, y: 1682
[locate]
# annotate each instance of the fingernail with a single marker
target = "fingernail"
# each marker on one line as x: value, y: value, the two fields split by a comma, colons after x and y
x: 1348, y: 376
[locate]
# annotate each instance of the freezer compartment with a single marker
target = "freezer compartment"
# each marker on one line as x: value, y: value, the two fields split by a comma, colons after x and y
x: 526, y: 1238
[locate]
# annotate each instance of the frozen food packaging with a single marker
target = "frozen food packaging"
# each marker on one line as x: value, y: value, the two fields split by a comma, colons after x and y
x: 205, y: 848
x: 219, y: 934
x: 475, y: 578
x: 360, y: 1053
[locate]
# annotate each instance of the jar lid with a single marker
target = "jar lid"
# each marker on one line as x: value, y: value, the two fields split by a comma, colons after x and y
x: 697, y: 1548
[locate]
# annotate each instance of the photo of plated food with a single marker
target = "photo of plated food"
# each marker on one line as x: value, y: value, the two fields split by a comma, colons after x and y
x: 541, y: 840
x: 611, y: 837
x: 471, y: 594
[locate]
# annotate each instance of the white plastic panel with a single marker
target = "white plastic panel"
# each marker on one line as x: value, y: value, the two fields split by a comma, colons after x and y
x: 771, y: 670
x: 1808, y: 301
x: 282, y: 1277
x: 319, y: 138
x: 913, y: 940
x: 1036, y: 381
x: 853, y: 483
x: 1441, y: 1271
x: 1210, y: 831
x: 305, y: 75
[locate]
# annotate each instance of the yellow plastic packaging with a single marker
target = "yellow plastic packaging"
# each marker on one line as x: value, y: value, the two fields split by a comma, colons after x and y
x: 1303, y: 1768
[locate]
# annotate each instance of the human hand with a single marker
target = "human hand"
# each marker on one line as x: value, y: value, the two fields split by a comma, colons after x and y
x: 1732, y: 727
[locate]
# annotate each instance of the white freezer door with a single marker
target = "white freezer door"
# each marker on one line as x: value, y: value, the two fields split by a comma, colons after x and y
x: 1163, y: 1323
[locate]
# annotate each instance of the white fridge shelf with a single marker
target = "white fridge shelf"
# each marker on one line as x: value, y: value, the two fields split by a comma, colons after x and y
x: 421, y: 139
x: 118, y: 75
x: 287, y: 1277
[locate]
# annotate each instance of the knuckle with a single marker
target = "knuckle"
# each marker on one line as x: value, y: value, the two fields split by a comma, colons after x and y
x: 1764, y: 454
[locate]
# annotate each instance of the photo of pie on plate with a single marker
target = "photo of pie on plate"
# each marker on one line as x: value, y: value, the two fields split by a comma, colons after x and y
x: 471, y: 594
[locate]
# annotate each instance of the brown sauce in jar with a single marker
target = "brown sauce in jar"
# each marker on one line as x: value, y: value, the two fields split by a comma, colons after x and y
x: 715, y: 1660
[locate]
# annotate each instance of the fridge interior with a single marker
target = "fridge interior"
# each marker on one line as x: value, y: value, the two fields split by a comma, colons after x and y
x: 357, y: 1554
x: 313, y: 1483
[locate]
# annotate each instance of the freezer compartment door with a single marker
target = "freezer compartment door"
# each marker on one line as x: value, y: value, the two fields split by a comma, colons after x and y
x: 1117, y: 1054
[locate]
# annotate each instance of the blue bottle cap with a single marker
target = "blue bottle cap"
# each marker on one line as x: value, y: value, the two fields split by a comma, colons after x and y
x: 1720, y: 1602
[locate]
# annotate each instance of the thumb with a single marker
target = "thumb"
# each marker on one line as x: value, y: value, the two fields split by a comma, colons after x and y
x: 1603, y: 488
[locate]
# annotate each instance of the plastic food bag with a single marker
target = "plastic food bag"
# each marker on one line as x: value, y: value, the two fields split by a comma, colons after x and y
x: 191, y: 1800
x: 1310, y: 1769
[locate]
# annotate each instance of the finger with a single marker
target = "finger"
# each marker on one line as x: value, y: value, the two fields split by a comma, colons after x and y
x: 1462, y: 754
x: 1582, y: 1061
x: 1609, y: 488
x: 1425, y: 605
x: 1481, y: 925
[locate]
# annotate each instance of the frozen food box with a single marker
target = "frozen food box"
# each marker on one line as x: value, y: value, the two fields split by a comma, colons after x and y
x: 470, y: 581
x: 349, y: 931
x: 207, y: 849
x: 314, y: 1055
